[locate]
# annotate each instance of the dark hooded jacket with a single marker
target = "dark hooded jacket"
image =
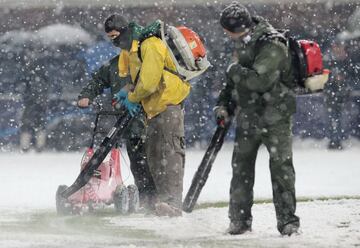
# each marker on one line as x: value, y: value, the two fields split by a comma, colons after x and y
x: 260, y: 84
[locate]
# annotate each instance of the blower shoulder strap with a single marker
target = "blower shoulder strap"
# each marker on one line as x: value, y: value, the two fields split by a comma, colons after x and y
x: 165, y: 68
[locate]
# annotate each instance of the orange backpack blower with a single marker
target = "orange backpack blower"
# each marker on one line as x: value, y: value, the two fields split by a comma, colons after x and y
x: 187, y: 51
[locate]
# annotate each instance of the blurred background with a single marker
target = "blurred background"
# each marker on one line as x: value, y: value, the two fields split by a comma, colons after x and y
x: 50, y: 48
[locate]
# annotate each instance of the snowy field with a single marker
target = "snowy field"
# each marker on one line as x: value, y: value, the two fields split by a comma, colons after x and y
x: 28, y: 218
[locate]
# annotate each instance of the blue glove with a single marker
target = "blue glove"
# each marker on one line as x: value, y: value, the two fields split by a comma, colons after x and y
x: 131, y: 107
x: 120, y: 96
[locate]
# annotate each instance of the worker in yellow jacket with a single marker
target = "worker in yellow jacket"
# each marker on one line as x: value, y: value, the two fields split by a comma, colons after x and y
x: 161, y: 94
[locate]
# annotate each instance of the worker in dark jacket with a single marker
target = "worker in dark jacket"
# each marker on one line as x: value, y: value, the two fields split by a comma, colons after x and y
x: 115, y: 75
x: 259, y: 95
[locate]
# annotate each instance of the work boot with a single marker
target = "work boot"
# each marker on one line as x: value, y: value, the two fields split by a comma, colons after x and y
x: 238, y: 227
x: 165, y: 209
x: 290, y: 228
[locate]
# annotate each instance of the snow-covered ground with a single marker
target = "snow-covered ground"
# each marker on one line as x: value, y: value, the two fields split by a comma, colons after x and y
x: 28, y: 219
x: 334, y: 223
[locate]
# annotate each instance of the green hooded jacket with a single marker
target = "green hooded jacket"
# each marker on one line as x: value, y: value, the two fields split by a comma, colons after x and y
x: 260, y: 83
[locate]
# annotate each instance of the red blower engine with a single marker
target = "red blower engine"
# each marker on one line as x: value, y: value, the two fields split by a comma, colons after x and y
x: 309, y: 64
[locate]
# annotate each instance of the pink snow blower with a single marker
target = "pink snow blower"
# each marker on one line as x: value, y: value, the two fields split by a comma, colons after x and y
x: 104, y: 187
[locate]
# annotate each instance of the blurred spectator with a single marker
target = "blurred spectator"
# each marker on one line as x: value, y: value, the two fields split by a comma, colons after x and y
x: 35, y: 98
x: 336, y: 93
x: 351, y: 39
x: 344, y: 86
x: 53, y: 73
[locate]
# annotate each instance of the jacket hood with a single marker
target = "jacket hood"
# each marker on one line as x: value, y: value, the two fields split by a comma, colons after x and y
x: 140, y: 33
x: 261, y: 27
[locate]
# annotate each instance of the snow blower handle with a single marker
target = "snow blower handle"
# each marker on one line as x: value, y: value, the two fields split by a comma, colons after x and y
x: 94, y: 131
x: 98, y: 113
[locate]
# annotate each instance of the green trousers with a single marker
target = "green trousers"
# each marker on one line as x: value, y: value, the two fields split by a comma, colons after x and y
x: 278, y: 141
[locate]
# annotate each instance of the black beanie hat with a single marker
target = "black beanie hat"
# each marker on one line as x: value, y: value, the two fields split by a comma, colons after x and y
x: 236, y: 18
x: 115, y: 22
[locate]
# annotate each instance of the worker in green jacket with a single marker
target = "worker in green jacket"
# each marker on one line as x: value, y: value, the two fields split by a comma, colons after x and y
x: 115, y: 75
x: 259, y: 95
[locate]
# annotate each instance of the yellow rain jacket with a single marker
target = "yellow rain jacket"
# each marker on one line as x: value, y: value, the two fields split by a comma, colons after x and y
x: 156, y: 88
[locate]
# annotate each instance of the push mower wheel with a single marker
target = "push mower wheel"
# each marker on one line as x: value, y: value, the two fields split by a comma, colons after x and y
x: 61, y: 202
x: 121, y: 199
x: 134, y: 201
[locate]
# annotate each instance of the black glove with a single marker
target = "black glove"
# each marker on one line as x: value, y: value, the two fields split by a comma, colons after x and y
x: 221, y: 115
